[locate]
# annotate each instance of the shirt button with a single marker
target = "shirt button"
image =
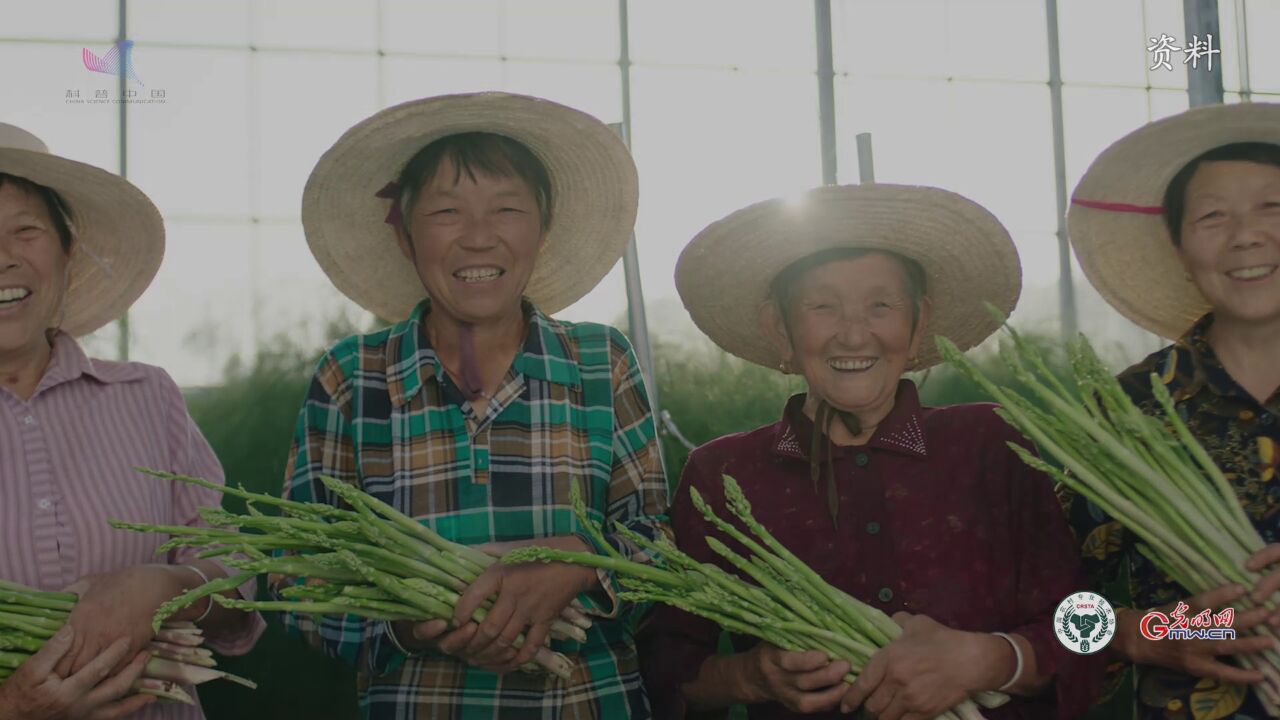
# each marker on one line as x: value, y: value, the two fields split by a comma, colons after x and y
x: 28, y: 420
x: 861, y: 460
x: 885, y: 595
x: 44, y: 504
x: 873, y: 528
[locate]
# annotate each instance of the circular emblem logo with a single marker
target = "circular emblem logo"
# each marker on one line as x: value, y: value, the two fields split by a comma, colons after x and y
x: 1084, y: 623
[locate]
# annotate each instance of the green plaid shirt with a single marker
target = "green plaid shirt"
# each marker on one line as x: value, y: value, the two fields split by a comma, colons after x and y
x: 383, y: 414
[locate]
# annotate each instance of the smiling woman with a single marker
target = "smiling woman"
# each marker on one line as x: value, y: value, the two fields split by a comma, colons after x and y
x: 808, y: 301
x: 1223, y: 214
x: 38, y: 245
x: 1178, y: 226
x: 77, y: 246
x: 476, y: 412
x: 920, y: 504
x: 478, y: 206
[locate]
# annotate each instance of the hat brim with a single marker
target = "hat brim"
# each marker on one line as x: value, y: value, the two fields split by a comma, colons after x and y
x: 1129, y: 256
x: 119, y: 236
x: 724, y: 274
x: 595, y: 193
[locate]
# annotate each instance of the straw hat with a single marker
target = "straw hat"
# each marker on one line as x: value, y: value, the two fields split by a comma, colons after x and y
x: 594, y: 190
x: 968, y: 257
x: 119, y: 235
x: 1116, y: 223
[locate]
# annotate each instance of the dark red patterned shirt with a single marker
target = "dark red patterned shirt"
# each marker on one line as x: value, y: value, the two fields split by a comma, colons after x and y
x: 937, y: 516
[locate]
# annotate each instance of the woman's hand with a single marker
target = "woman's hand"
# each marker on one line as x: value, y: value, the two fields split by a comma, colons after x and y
x: 529, y: 598
x: 1197, y: 657
x: 121, y: 604
x: 803, y: 682
x: 928, y: 669
x: 36, y: 692
x: 1266, y: 559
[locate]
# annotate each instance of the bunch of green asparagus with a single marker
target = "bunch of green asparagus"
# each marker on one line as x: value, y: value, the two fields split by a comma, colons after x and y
x: 29, y: 617
x: 375, y: 562
x: 776, y: 598
x: 1148, y: 473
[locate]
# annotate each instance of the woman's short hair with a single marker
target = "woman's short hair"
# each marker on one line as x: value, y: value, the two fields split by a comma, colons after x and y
x: 1175, y: 195
x: 783, y: 288
x: 57, y: 208
x: 473, y: 152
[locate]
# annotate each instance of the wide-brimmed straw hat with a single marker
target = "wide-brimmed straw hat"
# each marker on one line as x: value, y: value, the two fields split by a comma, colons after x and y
x: 594, y: 189
x: 119, y: 234
x: 1116, y: 221
x: 725, y: 272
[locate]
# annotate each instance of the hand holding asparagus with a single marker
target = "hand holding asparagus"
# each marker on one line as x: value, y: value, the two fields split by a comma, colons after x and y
x: 376, y: 563
x: 35, y: 636
x: 776, y: 598
x: 35, y: 692
x: 1151, y: 475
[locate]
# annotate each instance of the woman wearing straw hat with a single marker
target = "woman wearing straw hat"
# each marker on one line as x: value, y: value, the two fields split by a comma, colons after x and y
x: 1178, y: 226
x: 77, y: 246
x: 923, y: 512
x: 477, y: 411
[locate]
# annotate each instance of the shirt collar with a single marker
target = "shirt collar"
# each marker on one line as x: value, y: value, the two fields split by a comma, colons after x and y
x: 901, y: 431
x: 1193, y: 351
x: 547, y: 354
x: 69, y: 363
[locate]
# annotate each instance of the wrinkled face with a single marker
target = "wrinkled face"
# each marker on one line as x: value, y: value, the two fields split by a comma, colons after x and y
x: 851, y: 331
x: 1231, y: 238
x: 474, y: 243
x: 32, y: 270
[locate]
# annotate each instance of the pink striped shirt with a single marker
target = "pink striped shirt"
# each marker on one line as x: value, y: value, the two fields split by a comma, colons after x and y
x: 66, y: 466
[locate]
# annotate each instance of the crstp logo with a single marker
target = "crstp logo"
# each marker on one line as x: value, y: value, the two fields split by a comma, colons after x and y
x: 1084, y: 623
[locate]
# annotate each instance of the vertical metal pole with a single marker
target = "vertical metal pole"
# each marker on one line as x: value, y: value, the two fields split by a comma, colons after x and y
x: 253, y: 149
x: 826, y: 90
x: 1242, y: 51
x: 636, y: 320
x: 122, y: 350
x: 1204, y: 86
x: 1066, y: 284
x: 866, y: 164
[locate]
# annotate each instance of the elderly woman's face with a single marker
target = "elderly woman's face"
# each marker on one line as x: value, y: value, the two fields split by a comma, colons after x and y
x: 32, y: 269
x: 475, y: 243
x: 1231, y: 238
x: 851, y: 333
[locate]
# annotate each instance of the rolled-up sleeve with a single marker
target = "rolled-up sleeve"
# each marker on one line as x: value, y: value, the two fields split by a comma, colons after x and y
x: 637, y: 494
